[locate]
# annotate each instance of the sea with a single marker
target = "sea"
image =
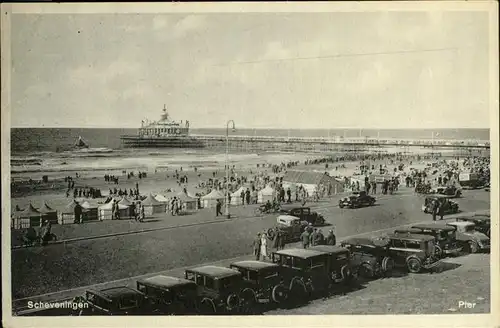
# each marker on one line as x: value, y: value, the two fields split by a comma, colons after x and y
x: 50, y: 151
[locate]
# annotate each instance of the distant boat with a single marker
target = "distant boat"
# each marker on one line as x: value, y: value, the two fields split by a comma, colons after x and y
x: 80, y: 143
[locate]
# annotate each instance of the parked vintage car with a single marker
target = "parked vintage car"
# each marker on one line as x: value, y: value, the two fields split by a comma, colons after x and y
x: 303, y: 213
x: 450, y: 191
x: 169, y: 295
x: 369, y: 257
x: 357, y: 199
x: 262, y: 282
x: 114, y: 301
x: 445, y: 237
x: 482, y: 223
x: 413, y: 252
x: 449, y: 206
x: 339, y: 262
x: 305, y: 272
x: 471, y: 239
x: 291, y: 227
x: 218, y: 288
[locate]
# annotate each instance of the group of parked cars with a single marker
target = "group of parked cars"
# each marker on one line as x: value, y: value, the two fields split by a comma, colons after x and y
x: 293, y: 276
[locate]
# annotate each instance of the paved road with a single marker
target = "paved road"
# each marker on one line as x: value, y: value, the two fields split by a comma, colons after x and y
x: 43, y: 270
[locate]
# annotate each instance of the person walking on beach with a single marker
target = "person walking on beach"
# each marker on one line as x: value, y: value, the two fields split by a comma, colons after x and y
x: 218, y: 208
x: 242, y: 195
x: 247, y: 195
x: 256, y: 247
x: 289, y: 195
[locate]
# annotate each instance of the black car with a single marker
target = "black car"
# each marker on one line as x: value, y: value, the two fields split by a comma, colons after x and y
x: 114, y: 301
x: 169, y: 295
x: 219, y: 288
x: 262, y: 283
x: 303, y: 213
x: 357, y: 199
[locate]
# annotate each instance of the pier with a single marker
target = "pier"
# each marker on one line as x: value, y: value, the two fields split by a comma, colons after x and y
x: 311, y: 144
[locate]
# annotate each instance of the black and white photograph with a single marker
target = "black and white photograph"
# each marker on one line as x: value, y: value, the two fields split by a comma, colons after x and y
x: 201, y: 160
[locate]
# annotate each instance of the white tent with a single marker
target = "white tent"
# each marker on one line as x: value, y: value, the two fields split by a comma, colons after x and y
x: 161, y: 198
x: 152, y: 206
x: 106, y: 211
x: 210, y: 200
x: 236, y: 196
x: 268, y: 193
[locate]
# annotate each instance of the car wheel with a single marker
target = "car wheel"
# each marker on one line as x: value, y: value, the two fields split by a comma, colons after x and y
x: 298, y: 292
x: 232, y: 302
x: 207, y: 306
x: 341, y: 205
x: 414, y: 265
x: 279, y: 294
x: 346, y: 273
x: 472, y: 247
x: 438, y: 252
x: 249, y: 300
x: 387, y: 266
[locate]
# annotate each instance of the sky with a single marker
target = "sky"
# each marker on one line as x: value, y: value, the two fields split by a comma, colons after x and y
x: 262, y: 70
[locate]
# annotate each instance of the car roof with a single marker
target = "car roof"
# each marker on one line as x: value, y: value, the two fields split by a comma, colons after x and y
x: 438, y: 196
x: 299, y: 252
x: 291, y: 207
x: 161, y: 281
x: 365, y: 242
x: 115, y: 292
x: 432, y: 226
x: 329, y: 249
x: 288, y: 217
x: 407, y: 230
x: 254, y: 265
x: 215, y: 271
x: 461, y: 223
x: 411, y: 237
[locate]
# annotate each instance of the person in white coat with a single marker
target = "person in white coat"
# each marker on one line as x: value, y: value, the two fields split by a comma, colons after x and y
x: 263, y: 246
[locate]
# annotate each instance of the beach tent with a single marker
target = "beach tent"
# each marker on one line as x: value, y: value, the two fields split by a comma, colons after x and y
x: 236, y: 196
x: 266, y: 194
x: 131, y: 206
x: 67, y: 215
x: 106, y: 211
x: 29, y: 217
x: 152, y: 206
x: 90, y: 212
x: 310, y: 181
x: 210, y: 200
x: 161, y: 198
x: 188, y: 203
x: 48, y: 213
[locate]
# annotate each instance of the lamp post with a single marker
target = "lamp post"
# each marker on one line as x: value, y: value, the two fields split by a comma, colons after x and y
x: 227, y: 166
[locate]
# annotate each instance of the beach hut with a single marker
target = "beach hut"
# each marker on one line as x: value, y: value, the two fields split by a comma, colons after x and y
x: 67, y: 215
x: 152, y: 206
x: 188, y: 203
x: 106, y: 211
x: 131, y: 206
x: 29, y: 217
x: 236, y: 196
x: 266, y: 194
x: 90, y: 212
x: 210, y: 200
x: 48, y: 213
